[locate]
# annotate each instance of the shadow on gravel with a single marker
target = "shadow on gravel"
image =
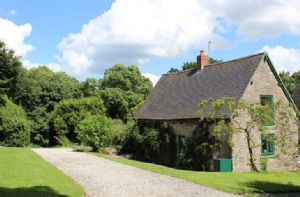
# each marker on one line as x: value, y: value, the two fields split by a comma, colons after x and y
x: 37, y: 191
x: 266, y: 188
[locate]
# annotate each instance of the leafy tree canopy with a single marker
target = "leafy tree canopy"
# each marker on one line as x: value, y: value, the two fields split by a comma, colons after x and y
x: 123, y: 89
x: 90, y: 87
x: 10, y: 68
x: 290, y: 80
x: 173, y: 70
x: 127, y: 79
x: 190, y: 65
x: 42, y: 87
x: 37, y: 91
x: 121, y: 104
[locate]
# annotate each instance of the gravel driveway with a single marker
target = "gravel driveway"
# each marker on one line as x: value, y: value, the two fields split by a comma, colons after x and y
x: 104, y: 178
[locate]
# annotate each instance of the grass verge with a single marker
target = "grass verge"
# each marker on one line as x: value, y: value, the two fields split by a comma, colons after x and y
x: 281, y: 183
x: 24, y: 173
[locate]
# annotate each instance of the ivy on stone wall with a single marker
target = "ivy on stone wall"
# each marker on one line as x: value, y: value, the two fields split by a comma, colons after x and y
x: 231, y: 116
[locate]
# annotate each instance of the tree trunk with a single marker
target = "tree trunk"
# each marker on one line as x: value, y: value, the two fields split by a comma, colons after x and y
x: 252, y: 163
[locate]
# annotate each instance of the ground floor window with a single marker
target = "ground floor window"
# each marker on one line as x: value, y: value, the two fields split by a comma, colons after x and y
x: 268, y: 144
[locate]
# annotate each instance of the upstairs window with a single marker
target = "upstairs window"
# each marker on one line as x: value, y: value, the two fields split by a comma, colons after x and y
x: 268, y: 144
x: 267, y: 100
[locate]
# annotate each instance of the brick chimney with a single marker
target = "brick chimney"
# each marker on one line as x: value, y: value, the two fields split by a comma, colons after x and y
x: 202, y: 60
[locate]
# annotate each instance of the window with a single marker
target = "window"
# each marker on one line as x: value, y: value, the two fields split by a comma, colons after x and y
x: 267, y: 100
x: 268, y: 144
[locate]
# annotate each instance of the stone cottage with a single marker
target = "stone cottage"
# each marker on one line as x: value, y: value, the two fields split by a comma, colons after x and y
x: 176, y: 98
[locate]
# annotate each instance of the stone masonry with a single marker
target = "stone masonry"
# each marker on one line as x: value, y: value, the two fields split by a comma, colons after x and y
x: 264, y: 83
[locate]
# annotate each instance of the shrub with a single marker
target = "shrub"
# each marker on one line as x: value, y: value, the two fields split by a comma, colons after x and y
x: 95, y: 131
x: 118, y: 133
x: 14, y: 125
x: 133, y: 141
x: 69, y: 113
x: 150, y: 141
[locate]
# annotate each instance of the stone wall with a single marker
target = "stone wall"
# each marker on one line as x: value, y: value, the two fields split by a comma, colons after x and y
x: 263, y: 83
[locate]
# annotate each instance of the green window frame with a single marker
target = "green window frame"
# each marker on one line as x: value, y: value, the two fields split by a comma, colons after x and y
x: 268, y: 144
x: 268, y: 99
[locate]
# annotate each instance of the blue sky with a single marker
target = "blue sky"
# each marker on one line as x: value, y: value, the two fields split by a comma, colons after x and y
x: 83, y: 38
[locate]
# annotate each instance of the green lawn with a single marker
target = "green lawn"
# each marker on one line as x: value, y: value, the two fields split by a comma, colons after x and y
x: 23, y: 173
x: 239, y: 183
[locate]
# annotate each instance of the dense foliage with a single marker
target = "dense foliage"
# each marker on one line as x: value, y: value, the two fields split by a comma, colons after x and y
x: 14, y: 126
x: 95, y: 131
x: 127, y: 79
x: 68, y: 113
x: 39, y: 89
x: 190, y: 65
x: 150, y: 141
x: 290, y: 80
x: 10, y: 69
x: 123, y: 90
x: 55, y: 103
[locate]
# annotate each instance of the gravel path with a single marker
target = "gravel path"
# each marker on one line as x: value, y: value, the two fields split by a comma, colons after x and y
x: 104, y: 178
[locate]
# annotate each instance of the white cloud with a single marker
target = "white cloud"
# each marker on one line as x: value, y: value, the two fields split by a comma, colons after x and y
x: 53, y: 66
x: 13, y: 35
x: 153, y: 78
x: 256, y: 18
x: 133, y: 31
x: 284, y: 59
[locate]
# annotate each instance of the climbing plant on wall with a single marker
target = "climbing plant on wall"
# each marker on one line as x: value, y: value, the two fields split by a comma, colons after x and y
x: 231, y: 116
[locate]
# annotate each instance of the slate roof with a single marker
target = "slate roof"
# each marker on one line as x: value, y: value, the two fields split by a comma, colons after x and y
x: 296, y: 96
x: 177, y: 95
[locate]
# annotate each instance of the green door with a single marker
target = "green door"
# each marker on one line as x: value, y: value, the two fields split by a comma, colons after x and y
x: 223, y: 165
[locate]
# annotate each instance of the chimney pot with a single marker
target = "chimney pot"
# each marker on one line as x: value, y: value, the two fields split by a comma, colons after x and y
x: 202, y: 60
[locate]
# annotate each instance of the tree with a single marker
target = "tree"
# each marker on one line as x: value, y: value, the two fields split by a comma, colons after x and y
x: 14, y: 125
x: 127, y: 79
x: 189, y: 65
x: 121, y: 104
x: 123, y: 89
x: 68, y: 113
x: 173, y: 70
x: 38, y: 90
x: 226, y: 113
x: 90, y: 87
x: 10, y: 69
x: 296, y: 78
x: 290, y: 80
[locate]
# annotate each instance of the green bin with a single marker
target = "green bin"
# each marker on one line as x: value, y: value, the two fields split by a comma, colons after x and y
x: 223, y: 165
